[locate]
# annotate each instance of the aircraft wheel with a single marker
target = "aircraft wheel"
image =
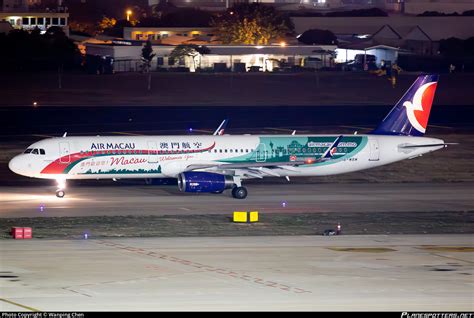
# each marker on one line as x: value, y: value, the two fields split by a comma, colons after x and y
x: 60, y: 193
x: 239, y: 192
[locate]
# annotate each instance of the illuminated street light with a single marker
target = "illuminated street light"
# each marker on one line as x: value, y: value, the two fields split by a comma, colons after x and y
x: 282, y: 43
x: 129, y: 13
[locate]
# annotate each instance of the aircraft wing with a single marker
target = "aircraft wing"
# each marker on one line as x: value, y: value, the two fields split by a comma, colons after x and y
x: 245, y: 165
x: 220, y: 130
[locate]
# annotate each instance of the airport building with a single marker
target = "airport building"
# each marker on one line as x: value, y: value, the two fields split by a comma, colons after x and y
x: 31, y: 20
x: 125, y: 56
x: 416, y: 35
x: 169, y: 35
x: 21, y: 14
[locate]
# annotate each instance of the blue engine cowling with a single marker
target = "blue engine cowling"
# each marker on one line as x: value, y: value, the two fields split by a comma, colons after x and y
x: 204, y: 182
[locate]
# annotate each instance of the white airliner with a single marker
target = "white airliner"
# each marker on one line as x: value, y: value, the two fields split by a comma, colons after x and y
x: 219, y: 162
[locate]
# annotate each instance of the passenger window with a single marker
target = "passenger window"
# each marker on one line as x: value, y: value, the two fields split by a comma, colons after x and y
x: 231, y: 150
x: 220, y: 150
x: 35, y: 151
x: 225, y: 150
x: 215, y: 150
x: 42, y: 152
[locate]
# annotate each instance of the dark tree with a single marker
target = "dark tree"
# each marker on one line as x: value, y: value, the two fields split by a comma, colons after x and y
x: 192, y: 50
x: 454, y: 47
x: 316, y: 36
x: 147, y: 57
x: 147, y: 52
x: 32, y: 51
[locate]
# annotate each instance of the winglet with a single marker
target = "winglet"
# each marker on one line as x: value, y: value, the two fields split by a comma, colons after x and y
x: 220, y: 130
x: 332, y: 150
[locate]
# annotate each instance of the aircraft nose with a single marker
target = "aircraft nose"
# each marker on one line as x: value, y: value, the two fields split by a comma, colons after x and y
x: 14, y: 165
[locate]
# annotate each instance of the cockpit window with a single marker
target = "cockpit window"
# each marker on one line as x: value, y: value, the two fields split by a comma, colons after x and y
x: 42, y: 152
x: 28, y: 150
x: 35, y: 151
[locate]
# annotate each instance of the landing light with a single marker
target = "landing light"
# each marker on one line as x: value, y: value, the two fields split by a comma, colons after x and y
x: 61, y: 183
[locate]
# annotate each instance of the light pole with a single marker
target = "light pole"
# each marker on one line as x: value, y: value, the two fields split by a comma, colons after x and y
x: 129, y: 13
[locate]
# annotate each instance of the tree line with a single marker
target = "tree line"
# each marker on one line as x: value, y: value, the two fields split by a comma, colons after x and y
x: 24, y: 51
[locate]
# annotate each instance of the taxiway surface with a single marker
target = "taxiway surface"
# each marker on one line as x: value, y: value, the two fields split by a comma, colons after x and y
x: 32, y: 201
x: 389, y: 273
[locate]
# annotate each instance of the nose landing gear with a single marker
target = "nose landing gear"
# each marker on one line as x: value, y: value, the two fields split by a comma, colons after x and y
x: 60, y: 193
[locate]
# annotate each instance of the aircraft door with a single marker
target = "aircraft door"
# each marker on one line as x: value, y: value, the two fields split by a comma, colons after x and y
x: 261, y: 153
x: 152, y: 152
x: 64, y: 152
x: 374, y: 150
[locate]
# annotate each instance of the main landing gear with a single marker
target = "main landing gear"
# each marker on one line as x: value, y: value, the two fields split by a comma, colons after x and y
x: 238, y: 192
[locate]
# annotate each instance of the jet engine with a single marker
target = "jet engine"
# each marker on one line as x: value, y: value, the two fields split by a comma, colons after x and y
x: 196, y: 181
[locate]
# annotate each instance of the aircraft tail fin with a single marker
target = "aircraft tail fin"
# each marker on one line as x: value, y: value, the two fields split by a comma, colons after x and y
x: 410, y: 115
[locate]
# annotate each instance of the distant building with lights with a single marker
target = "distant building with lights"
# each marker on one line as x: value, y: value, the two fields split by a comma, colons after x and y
x: 169, y: 35
x: 31, y: 20
x: 126, y: 57
x: 20, y: 15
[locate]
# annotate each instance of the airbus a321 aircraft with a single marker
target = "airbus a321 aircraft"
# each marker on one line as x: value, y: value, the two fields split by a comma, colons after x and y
x: 220, y: 162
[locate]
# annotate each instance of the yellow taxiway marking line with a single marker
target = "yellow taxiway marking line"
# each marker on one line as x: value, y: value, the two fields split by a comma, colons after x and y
x: 20, y: 305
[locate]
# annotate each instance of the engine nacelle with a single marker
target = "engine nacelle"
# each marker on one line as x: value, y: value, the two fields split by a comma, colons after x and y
x: 197, y: 181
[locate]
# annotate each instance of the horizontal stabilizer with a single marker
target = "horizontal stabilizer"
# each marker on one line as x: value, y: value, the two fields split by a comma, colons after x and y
x: 426, y: 145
